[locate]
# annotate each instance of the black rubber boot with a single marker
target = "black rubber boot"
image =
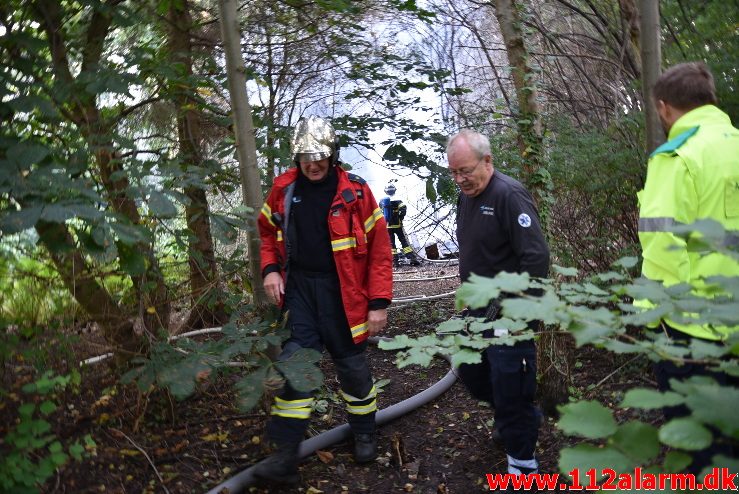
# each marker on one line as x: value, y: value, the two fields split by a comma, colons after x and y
x: 280, y: 467
x: 414, y: 260
x: 365, y: 447
x: 396, y: 261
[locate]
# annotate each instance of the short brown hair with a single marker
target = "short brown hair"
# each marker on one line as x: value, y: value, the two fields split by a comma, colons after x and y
x: 686, y: 86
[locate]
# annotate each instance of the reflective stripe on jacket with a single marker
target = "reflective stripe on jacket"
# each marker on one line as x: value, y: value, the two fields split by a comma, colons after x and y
x: 693, y: 176
x: 359, y: 240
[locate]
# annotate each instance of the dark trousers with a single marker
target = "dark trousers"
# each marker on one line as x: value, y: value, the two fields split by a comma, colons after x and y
x: 506, y: 378
x: 317, y: 320
x: 665, y: 370
x: 398, y: 232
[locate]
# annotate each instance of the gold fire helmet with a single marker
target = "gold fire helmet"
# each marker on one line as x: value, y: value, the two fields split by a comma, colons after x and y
x: 314, y: 139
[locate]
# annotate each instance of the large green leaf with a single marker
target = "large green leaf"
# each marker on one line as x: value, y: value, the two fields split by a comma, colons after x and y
x: 650, y: 399
x: 583, y: 457
x: 250, y: 389
x: 132, y: 261
x: 464, y: 356
x: 301, y: 370
x: 548, y: 308
x: 18, y: 221
x: 637, y: 440
x: 586, y: 419
x: 130, y: 234
x: 685, y: 433
x: 181, y: 378
x: 161, y: 206
x: 479, y: 290
x: 716, y: 405
x: 26, y: 154
x: 397, y: 343
x: 676, y: 461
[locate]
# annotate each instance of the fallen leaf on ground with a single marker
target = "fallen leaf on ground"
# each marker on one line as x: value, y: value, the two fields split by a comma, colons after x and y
x: 325, y: 456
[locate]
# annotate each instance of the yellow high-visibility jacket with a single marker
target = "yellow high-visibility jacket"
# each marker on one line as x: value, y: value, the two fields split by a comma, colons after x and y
x: 693, y: 176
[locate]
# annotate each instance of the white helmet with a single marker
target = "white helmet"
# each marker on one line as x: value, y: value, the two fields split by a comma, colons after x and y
x: 390, y: 189
x: 314, y: 139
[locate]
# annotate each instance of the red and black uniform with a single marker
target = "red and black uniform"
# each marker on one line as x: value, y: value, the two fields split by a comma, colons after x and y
x: 329, y: 241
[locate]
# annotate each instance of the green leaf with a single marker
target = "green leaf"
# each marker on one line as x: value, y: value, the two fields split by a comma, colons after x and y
x: 586, y: 419
x: 464, y: 356
x: 416, y: 356
x: 430, y: 190
x: 397, y: 343
x: 548, y: 308
x: 250, y: 389
x: 161, y: 206
x: 59, y: 459
x: 564, y: 271
x: 649, y: 399
x: 18, y: 221
x: 479, y: 290
x: 47, y: 407
x: 301, y: 370
x: 637, y: 440
x: 700, y: 349
x: 130, y: 234
x: 76, y: 451
x: 27, y: 154
x: 685, y: 433
x: 446, y: 327
x: 583, y: 457
x: 626, y: 262
x: 716, y: 405
x: 131, y: 259
x: 676, y: 461
x: 181, y: 378
x: 26, y: 410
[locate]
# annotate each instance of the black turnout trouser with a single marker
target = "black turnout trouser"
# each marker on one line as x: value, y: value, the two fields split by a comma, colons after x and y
x: 317, y: 320
x: 506, y: 378
x: 406, y: 250
x: 665, y: 370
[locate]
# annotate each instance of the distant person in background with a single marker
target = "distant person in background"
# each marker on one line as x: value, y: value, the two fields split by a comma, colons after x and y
x: 498, y: 230
x: 394, y: 211
x: 694, y: 175
x: 326, y: 259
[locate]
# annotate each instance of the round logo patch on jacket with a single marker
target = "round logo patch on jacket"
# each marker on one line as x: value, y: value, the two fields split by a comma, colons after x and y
x: 524, y: 220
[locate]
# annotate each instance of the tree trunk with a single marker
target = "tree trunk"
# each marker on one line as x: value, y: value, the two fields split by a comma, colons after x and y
x: 555, y: 354
x: 528, y: 118
x: 93, y: 297
x: 83, y: 112
x: 651, y: 55
x: 246, y: 147
x: 206, y: 305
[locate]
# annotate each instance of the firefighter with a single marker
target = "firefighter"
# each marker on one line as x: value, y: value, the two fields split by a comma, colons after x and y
x: 692, y: 176
x: 326, y: 259
x: 394, y: 211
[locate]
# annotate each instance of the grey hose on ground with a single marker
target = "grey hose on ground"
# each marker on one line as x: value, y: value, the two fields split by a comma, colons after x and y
x: 239, y: 482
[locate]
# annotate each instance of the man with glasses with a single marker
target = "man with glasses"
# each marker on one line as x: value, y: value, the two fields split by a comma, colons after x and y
x: 498, y: 230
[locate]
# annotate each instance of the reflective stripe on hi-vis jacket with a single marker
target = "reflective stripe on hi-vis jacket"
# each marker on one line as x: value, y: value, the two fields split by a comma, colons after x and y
x: 693, y: 176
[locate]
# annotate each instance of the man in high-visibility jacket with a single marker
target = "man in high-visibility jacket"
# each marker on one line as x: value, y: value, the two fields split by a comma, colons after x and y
x: 693, y: 176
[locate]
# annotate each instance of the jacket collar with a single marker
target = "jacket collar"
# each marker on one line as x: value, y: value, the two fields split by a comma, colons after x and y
x: 703, y: 115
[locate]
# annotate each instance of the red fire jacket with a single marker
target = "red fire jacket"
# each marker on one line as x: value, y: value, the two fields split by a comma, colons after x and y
x: 359, y: 241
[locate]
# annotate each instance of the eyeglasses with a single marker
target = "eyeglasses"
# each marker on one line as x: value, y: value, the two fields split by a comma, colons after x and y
x: 466, y: 173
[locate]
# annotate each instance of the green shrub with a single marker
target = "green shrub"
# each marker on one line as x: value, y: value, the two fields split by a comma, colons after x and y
x: 31, y: 453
